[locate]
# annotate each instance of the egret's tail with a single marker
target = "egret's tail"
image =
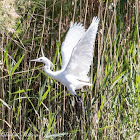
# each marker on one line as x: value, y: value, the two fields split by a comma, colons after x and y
x: 82, y: 84
x: 88, y: 84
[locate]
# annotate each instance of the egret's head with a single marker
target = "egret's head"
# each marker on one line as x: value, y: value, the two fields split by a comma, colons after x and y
x: 44, y: 60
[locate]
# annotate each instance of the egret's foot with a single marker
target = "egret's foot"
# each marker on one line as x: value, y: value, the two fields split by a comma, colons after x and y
x: 79, y: 102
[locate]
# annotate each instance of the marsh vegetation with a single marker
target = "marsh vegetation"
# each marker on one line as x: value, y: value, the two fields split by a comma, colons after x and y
x: 34, y: 106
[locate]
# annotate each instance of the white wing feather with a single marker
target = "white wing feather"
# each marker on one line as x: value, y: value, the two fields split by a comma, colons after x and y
x: 82, y: 54
x: 74, y: 34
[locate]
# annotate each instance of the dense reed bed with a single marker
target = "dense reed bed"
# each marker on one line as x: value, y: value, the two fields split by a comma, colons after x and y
x: 34, y: 106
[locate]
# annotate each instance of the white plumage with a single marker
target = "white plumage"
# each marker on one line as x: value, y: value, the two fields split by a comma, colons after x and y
x: 77, y: 55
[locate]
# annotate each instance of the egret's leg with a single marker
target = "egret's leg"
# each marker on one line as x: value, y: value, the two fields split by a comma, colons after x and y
x: 77, y: 100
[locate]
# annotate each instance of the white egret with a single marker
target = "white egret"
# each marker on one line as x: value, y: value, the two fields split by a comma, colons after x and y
x: 77, y: 55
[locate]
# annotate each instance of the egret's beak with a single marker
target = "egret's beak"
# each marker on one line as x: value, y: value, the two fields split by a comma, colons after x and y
x: 35, y: 60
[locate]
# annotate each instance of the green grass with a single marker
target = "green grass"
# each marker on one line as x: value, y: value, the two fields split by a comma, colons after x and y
x: 34, y: 106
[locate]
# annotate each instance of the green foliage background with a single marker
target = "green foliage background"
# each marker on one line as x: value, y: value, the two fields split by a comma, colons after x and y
x: 34, y: 106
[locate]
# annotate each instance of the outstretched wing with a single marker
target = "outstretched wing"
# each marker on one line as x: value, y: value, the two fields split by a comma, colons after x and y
x: 74, y: 34
x: 82, y: 54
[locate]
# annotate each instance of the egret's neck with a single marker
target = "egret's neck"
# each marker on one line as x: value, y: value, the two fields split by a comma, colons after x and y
x: 50, y: 73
